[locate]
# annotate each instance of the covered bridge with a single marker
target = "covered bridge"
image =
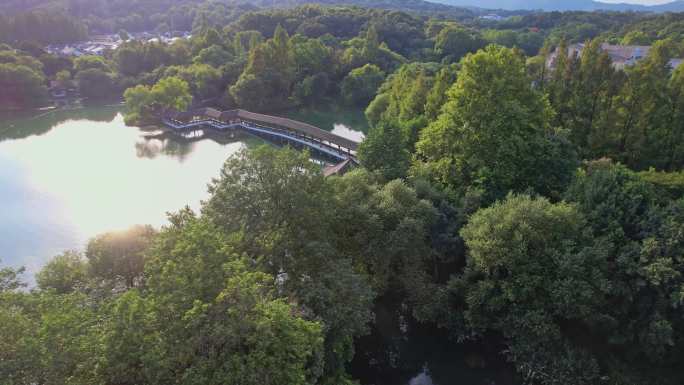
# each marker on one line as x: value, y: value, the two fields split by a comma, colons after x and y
x: 241, y: 116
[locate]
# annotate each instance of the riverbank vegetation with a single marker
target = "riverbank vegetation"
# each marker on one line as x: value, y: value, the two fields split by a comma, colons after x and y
x: 535, y: 211
x: 326, y: 42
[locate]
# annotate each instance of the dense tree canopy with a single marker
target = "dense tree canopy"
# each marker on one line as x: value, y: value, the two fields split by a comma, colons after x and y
x: 521, y: 197
x: 22, y: 82
x: 491, y: 122
x: 168, y: 93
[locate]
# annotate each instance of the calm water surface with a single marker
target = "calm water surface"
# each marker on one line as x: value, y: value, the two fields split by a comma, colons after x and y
x: 69, y: 175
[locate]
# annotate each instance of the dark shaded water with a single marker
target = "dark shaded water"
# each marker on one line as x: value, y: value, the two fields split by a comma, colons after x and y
x: 400, y: 351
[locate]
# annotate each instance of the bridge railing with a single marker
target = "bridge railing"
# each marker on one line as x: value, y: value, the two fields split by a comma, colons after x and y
x: 309, y: 141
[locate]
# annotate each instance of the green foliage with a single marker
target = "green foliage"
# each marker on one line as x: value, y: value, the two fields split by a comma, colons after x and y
x: 137, y: 99
x: 369, y: 50
x: 214, y: 55
x: 361, y: 84
x: 41, y: 26
x: 312, y: 89
x: 168, y: 93
x: 670, y: 182
x: 21, y: 87
x: 402, y: 101
x: 96, y: 84
x: 645, y: 270
x: 276, y: 203
x: 491, y: 123
x: 118, y: 257
x: 134, y: 58
x: 267, y: 81
x: 384, y: 151
x: 629, y: 115
x: 275, y: 279
x: 204, y: 80
x: 636, y: 38
x: 48, y: 339
x: 530, y: 42
x: 20, y: 59
x: 530, y: 275
x: 9, y: 279
x: 241, y: 335
x: 454, y: 41
x: 386, y: 228
x: 91, y: 62
x: 64, y: 273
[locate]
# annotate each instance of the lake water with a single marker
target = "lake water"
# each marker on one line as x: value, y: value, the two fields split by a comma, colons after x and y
x: 67, y: 176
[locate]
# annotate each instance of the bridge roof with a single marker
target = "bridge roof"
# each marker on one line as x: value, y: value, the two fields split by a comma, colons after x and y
x: 290, y: 124
x: 294, y: 125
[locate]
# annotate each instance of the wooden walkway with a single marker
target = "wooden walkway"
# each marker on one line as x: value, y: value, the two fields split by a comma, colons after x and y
x: 283, y: 129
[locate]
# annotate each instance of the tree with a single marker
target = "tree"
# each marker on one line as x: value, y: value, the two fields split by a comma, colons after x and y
x: 248, y: 92
x: 172, y: 92
x: 591, y: 103
x: 119, y: 257
x: 561, y: 83
x: 238, y: 334
x: 91, y: 62
x: 404, y: 95
x: 168, y: 93
x: 311, y: 57
x: 267, y: 81
x: 214, y: 55
x: 531, y: 275
x: 636, y: 38
x: 67, y: 337
x: 361, y: 84
x: 673, y: 155
x: 454, y: 42
x: 204, y: 80
x: 20, y: 59
x: 95, y: 84
x: 641, y: 108
x: 277, y: 199
x: 9, y: 279
x: 368, y: 49
x: 312, y: 89
x: 138, y: 100
x: 494, y: 134
x: 635, y: 228
x: 21, y: 87
x: 437, y: 96
x: 276, y: 202
x: 384, y: 150
x: 18, y: 344
x: 64, y: 273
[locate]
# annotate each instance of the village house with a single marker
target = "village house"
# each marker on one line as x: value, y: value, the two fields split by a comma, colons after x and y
x: 99, y: 44
x: 621, y: 55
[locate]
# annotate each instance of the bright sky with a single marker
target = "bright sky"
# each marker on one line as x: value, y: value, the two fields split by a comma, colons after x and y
x: 645, y: 2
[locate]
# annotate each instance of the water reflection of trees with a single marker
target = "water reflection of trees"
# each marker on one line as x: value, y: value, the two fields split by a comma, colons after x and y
x: 178, y: 147
x: 326, y: 118
x: 24, y: 124
x: 152, y: 148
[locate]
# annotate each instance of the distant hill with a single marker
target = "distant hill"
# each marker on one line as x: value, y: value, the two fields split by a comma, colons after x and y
x: 564, y: 5
x: 16, y: 6
x: 416, y: 6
